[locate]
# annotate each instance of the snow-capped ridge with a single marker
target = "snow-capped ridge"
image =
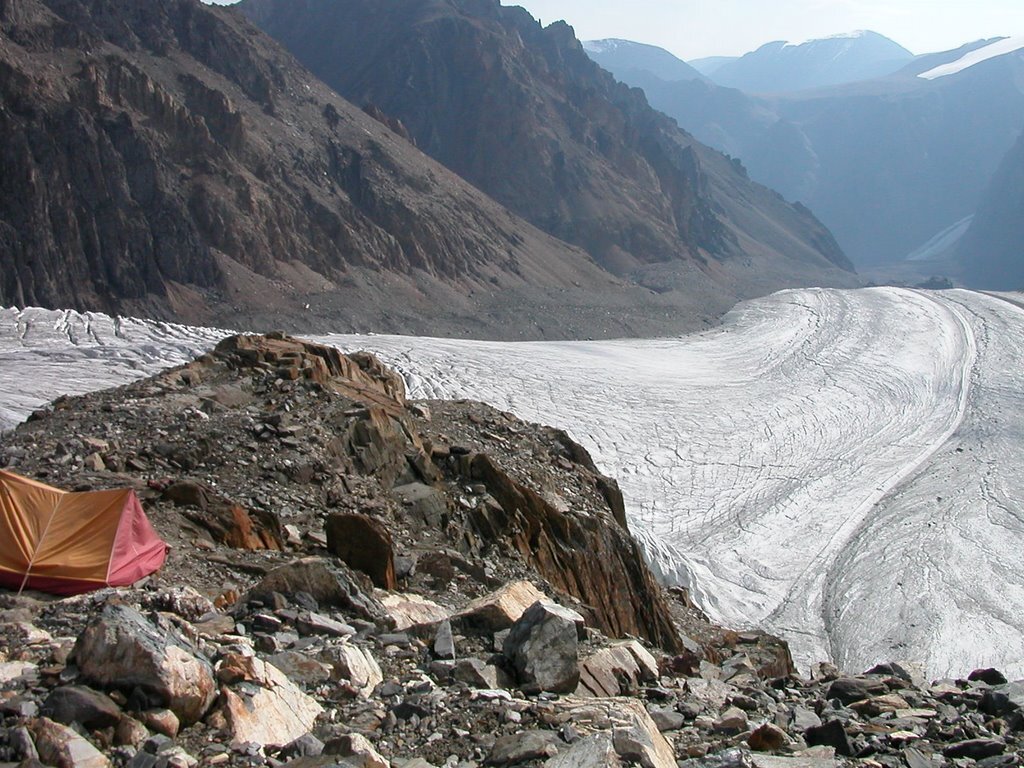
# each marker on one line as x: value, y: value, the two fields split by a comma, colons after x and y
x: 1000, y: 47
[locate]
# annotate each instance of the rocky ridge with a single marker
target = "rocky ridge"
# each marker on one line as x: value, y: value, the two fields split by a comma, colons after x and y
x: 474, y: 634
x: 520, y: 111
x: 168, y: 160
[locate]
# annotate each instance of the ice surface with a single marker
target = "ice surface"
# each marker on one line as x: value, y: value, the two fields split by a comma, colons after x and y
x: 977, y: 56
x: 843, y: 468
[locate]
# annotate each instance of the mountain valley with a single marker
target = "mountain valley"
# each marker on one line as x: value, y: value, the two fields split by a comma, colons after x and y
x: 888, y: 162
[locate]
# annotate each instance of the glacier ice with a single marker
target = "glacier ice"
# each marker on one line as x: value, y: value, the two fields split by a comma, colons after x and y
x: 840, y: 467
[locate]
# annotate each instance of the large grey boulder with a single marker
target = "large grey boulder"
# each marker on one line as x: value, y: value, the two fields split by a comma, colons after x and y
x: 543, y: 648
x: 121, y: 649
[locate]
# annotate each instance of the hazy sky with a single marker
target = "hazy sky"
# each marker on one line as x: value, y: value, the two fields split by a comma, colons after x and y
x: 696, y: 28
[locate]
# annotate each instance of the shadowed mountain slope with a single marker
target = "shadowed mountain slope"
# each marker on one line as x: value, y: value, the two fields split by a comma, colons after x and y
x: 172, y: 160
x: 521, y: 112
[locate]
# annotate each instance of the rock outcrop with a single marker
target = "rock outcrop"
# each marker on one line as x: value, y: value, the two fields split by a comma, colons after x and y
x: 169, y: 160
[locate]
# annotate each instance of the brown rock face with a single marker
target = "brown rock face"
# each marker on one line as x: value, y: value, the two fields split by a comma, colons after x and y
x: 166, y: 158
x: 365, y: 545
x: 600, y: 564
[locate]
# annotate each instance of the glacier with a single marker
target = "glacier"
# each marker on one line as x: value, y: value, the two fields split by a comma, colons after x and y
x: 843, y: 468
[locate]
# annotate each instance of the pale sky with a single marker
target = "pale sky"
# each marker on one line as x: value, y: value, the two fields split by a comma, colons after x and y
x: 696, y: 28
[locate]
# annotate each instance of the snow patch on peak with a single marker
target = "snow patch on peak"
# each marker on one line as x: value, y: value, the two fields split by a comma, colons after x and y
x: 855, y: 35
x: 1001, y: 47
x: 602, y: 46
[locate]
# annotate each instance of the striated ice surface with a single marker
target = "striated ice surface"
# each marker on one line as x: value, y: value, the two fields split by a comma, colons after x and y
x: 841, y: 467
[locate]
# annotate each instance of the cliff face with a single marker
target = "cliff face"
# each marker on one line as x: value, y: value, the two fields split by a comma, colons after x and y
x: 521, y: 112
x: 168, y: 156
x: 992, y: 251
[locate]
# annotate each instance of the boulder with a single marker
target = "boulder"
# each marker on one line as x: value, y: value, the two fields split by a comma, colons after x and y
x: 300, y: 668
x: 733, y: 720
x: 633, y: 734
x: 767, y: 738
x: 444, y: 642
x: 829, y: 734
x: 412, y: 610
x: 329, y: 583
x: 162, y: 721
x: 63, y: 747
x: 365, y: 545
x: 543, y: 648
x: 519, y: 747
x: 355, y: 665
x: 121, y: 649
x: 79, y: 704
x: 12, y: 670
x: 479, y: 674
x: 592, y: 752
x: 501, y: 609
x: 618, y: 670
x: 358, y: 751
x: 269, y: 709
x: 851, y: 689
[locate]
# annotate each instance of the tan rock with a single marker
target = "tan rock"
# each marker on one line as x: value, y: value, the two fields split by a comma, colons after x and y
x: 61, y: 746
x: 412, y: 610
x: 607, y: 672
x: 277, y: 714
x: 12, y: 670
x: 592, y: 752
x: 355, y: 665
x: 635, y: 737
x: 500, y: 610
x: 359, y: 751
x: 129, y: 732
x: 162, y: 721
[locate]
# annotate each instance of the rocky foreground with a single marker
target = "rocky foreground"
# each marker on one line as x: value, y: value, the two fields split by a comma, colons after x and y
x: 360, y: 580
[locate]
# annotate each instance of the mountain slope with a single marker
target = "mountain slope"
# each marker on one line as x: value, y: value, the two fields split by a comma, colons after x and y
x: 521, y: 112
x: 172, y: 160
x: 624, y: 55
x: 992, y: 251
x: 887, y: 164
x: 782, y: 67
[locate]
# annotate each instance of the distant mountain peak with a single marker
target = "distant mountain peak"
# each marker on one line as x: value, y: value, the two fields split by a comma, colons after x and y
x: 781, y: 66
x: 616, y: 55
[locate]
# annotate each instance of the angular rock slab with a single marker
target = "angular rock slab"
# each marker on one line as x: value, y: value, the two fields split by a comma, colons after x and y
x: 501, y: 609
x: 121, y: 649
x: 365, y: 545
x: 412, y: 610
x: 543, y: 647
x: 592, y: 752
x: 277, y: 713
x: 601, y: 674
x: 356, y: 665
x: 634, y: 736
x: 61, y: 746
x: 330, y: 583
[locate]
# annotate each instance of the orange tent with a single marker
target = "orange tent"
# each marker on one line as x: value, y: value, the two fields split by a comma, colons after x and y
x: 68, y: 543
